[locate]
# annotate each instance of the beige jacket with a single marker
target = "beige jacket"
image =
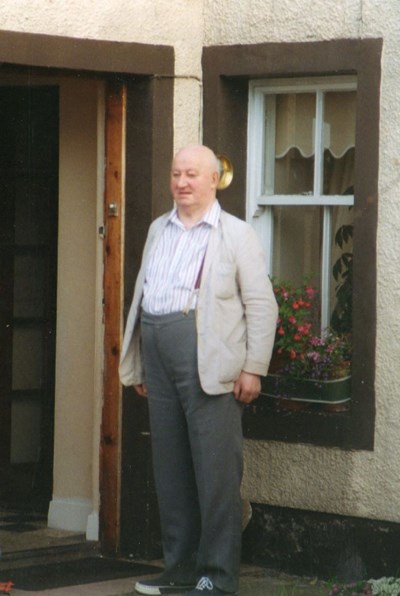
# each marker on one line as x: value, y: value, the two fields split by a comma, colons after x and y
x: 236, y: 311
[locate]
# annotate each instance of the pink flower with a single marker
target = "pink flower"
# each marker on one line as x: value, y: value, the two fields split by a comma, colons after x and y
x: 310, y: 291
x: 304, y: 328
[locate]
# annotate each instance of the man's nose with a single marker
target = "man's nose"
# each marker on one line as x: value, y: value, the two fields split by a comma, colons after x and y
x: 182, y: 181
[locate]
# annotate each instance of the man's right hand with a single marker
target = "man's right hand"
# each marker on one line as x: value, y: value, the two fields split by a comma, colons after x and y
x: 141, y: 389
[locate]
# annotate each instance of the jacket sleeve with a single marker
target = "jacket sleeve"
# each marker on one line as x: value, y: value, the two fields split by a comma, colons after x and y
x: 131, y: 365
x: 259, y: 304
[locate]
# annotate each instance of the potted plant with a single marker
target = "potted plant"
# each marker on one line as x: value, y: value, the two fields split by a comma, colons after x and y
x: 384, y: 586
x: 306, y: 366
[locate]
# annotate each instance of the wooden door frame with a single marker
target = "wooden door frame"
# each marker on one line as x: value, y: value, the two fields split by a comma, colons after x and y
x: 114, y: 195
x: 152, y: 67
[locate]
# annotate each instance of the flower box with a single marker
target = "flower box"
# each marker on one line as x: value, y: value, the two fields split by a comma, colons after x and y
x: 335, y: 391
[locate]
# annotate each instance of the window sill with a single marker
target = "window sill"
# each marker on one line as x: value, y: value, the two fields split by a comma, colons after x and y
x: 269, y: 420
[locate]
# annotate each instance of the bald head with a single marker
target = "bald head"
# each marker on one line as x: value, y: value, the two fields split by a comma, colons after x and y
x: 194, y: 180
x: 201, y: 153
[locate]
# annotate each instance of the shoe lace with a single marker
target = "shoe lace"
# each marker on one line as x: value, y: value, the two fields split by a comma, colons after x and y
x: 204, y: 584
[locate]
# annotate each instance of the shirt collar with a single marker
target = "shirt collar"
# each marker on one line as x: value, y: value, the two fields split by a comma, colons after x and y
x: 211, y: 217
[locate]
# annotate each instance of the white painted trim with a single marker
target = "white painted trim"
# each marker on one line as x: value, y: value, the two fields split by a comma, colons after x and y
x: 326, y: 268
x: 308, y: 200
x: 304, y: 85
x: 319, y: 146
x: 69, y: 514
x: 92, y: 528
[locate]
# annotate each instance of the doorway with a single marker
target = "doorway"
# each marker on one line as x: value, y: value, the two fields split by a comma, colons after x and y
x: 78, y: 433
x: 28, y: 280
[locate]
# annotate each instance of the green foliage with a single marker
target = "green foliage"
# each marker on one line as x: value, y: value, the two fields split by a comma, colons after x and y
x: 342, y: 316
x: 385, y: 586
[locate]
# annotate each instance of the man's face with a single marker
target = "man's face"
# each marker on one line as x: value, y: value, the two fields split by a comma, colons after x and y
x: 194, y: 178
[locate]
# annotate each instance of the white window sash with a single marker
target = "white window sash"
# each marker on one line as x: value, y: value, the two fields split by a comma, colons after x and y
x: 299, y: 200
x: 261, y: 168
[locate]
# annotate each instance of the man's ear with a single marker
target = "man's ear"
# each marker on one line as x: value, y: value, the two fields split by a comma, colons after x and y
x: 215, y: 179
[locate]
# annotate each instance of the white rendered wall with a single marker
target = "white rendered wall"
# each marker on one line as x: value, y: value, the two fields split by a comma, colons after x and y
x: 300, y: 476
x: 177, y: 23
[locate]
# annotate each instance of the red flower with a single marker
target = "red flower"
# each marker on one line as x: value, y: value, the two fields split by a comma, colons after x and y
x: 310, y: 291
x: 292, y: 319
x: 281, y: 331
x: 295, y: 305
x: 292, y: 354
x: 304, y: 328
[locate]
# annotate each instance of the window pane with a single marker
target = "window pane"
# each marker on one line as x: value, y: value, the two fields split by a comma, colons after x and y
x: 339, y: 142
x: 25, y: 431
x: 342, y: 269
x: 297, y: 242
x: 294, y: 143
x: 27, y: 358
x: 29, y: 282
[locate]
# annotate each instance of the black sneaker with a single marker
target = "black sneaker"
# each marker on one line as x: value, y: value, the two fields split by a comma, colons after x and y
x: 161, y: 585
x: 205, y: 587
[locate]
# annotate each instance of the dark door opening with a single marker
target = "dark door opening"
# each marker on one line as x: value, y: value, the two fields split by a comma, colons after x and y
x: 29, y: 137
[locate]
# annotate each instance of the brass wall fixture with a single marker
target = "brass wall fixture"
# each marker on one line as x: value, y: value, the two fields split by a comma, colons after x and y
x: 225, y: 172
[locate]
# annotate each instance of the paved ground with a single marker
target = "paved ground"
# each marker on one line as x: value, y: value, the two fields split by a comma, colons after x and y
x: 254, y: 582
x: 27, y: 541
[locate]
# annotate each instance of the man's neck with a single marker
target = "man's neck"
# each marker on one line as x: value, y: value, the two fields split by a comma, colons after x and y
x: 190, y: 217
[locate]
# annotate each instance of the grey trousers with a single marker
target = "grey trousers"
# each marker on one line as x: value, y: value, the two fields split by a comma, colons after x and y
x: 197, y: 456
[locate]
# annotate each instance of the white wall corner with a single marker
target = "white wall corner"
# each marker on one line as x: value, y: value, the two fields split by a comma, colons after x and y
x: 92, y: 528
x: 69, y: 514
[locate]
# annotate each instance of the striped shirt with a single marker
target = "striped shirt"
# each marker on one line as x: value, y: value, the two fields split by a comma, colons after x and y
x: 174, y: 266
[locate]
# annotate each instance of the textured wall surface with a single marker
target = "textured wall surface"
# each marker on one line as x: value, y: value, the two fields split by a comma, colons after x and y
x: 177, y: 23
x: 299, y: 476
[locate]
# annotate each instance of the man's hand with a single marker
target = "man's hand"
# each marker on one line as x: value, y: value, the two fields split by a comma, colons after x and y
x: 141, y: 389
x: 247, y: 387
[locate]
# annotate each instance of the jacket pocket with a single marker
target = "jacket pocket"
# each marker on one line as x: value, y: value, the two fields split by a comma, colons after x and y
x: 232, y: 358
x: 225, y: 282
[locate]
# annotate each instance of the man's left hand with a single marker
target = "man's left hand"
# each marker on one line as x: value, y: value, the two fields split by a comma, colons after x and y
x: 247, y: 387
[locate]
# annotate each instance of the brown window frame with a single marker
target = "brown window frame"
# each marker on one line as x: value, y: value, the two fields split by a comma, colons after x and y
x: 226, y: 74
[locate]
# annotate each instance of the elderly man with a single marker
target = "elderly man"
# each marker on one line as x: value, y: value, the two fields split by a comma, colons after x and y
x: 199, y: 334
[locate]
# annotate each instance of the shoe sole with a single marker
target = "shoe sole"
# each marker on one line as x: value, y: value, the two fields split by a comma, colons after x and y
x: 159, y: 590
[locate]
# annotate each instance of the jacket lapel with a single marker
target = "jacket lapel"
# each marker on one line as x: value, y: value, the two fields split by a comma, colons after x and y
x: 212, y: 250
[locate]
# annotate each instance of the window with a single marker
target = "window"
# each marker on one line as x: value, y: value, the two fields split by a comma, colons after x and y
x: 301, y: 180
x: 305, y: 75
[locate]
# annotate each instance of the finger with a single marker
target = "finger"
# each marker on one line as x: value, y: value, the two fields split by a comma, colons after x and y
x: 236, y: 391
x: 248, y: 398
x: 141, y: 390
